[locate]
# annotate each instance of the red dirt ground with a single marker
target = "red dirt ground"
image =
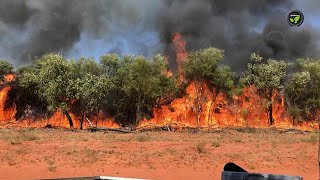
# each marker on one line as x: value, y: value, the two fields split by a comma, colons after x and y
x: 53, y: 153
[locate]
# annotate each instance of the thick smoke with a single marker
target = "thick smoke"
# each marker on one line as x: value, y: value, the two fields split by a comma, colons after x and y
x: 238, y: 27
x: 31, y: 28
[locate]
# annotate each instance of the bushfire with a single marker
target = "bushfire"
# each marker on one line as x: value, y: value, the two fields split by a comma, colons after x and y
x: 7, y: 114
x: 200, y: 107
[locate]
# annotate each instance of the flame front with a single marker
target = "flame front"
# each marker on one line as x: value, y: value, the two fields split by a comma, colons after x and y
x: 202, y: 107
x: 207, y: 109
x: 7, y: 114
x: 58, y: 119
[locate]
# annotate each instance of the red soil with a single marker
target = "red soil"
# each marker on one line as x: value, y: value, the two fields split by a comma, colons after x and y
x: 32, y: 154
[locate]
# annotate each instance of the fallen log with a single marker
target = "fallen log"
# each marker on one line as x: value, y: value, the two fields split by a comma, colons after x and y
x: 95, y: 129
x: 171, y: 127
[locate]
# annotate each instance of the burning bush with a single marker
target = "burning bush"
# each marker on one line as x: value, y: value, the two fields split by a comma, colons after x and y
x: 130, y: 87
x: 267, y: 78
x: 142, y: 91
x: 139, y: 85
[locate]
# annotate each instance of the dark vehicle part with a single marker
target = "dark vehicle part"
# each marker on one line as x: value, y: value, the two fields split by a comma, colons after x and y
x: 235, y: 172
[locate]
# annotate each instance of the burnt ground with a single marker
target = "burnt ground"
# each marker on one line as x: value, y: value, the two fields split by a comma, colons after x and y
x: 52, y: 153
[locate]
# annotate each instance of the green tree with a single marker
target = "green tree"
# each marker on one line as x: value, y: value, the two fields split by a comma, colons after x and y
x: 203, y: 66
x: 140, y: 84
x: 5, y: 68
x: 50, y: 76
x: 88, y: 86
x: 267, y: 77
x: 110, y: 64
x: 62, y: 83
x: 303, y: 89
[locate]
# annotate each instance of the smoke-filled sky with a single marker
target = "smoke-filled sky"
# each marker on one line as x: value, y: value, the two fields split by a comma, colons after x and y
x: 30, y: 28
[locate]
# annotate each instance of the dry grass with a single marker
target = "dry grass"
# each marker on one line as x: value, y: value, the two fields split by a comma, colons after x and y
x: 49, y: 160
x: 87, y: 156
x: 172, y: 151
x: 52, y: 168
x: 20, y: 136
x: 311, y: 138
x: 143, y: 138
x: 23, y: 151
x: 234, y: 156
x: 9, y: 158
x: 215, y: 144
x: 249, y: 130
x: 200, y: 146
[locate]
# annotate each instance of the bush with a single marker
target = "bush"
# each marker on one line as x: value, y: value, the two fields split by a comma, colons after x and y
x: 295, y: 112
x: 5, y: 68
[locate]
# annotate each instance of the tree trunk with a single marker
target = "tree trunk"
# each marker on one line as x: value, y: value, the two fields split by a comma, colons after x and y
x: 82, y: 119
x: 209, y: 113
x: 198, y: 100
x: 137, y: 114
x: 212, y: 102
x: 270, y: 117
x: 138, y: 109
x: 69, y: 118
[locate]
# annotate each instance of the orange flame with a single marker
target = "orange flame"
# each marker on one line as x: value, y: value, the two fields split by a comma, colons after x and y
x: 181, y: 53
x: 202, y: 107
x: 58, y: 119
x: 180, y: 45
x: 9, y: 77
x: 6, y: 114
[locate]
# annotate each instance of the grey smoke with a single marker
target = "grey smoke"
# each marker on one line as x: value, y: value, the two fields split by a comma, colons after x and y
x: 239, y: 27
x: 31, y: 28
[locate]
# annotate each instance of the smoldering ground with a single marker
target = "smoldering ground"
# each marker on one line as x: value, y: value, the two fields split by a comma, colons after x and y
x: 30, y: 28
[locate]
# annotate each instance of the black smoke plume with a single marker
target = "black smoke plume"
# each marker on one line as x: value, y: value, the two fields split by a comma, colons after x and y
x: 30, y: 28
x: 238, y: 27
